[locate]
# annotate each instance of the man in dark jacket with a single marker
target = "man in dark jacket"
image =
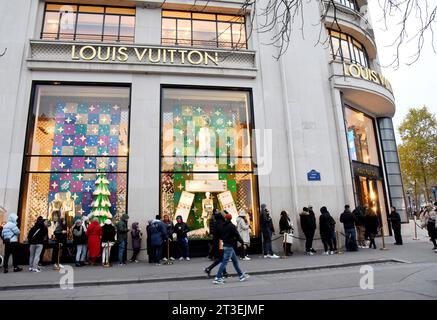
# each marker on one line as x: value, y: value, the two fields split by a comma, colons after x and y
x: 157, y: 232
x: 267, y: 231
x: 122, y: 232
x: 349, y: 220
x: 80, y: 241
x: 395, y: 219
x: 181, y: 229
x: 361, y: 229
x: 327, y: 228
x: 308, y: 225
x: 215, y: 227
x: 36, y: 237
x: 230, y: 236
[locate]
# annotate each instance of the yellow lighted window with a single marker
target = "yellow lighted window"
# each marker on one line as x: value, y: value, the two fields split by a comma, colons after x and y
x: 203, y: 16
x: 124, y: 11
x: 176, y: 14
x: 91, y: 9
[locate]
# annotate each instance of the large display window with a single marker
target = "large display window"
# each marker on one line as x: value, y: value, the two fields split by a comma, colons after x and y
x: 77, y: 142
x: 206, y: 155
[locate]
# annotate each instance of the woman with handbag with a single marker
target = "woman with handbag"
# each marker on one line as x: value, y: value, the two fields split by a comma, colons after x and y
x: 243, y: 227
x: 286, y: 228
x: 428, y: 221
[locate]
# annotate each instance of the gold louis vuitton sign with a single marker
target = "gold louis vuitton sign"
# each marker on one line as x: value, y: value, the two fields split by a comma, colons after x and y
x: 144, y: 55
x: 357, y: 71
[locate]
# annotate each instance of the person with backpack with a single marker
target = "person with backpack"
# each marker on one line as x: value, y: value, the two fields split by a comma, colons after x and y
x: 79, y: 240
x: 181, y: 229
x: 349, y: 220
x: 36, y: 237
x: 10, y: 234
x: 157, y: 234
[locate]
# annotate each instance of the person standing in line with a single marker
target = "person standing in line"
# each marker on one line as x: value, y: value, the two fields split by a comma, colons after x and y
x: 181, y: 229
x: 122, y: 232
x: 361, y: 229
x: 79, y: 240
x: 158, y: 235
x: 10, y: 234
x: 169, y: 242
x: 215, y: 227
x: 136, y: 235
x: 36, y: 237
x: 371, y: 223
x: 395, y: 219
x: 108, y: 240
x: 229, y: 236
x: 326, y: 224
x: 308, y: 225
x: 243, y: 227
x: 45, y: 243
x: 148, y: 243
x: 286, y: 226
x: 349, y: 220
x: 267, y: 231
x: 94, y: 233
x: 428, y: 220
x: 60, y: 234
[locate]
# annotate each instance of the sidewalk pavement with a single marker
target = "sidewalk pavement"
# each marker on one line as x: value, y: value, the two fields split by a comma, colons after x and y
x: 411, y: 252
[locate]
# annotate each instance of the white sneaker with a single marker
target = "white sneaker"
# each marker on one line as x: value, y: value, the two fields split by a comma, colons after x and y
x: 266, y: 256
x: 218, y: 281
x: 309, y: 253
x: 244, y: 277
x: 274, y: 256
x: 164, y: 259
x: 326, y: 253
x: 246, y: 259
x: 187, y: 258
x: 331, y: 252
x: 36, y: 270
x: 172, y: 259
x: 181, y: 258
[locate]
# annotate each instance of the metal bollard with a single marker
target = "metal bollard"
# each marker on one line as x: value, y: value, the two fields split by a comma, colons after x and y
x: 168, y: 262
x: 415, y: 229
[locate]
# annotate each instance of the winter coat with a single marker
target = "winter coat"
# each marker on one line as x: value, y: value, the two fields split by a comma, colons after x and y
x: 156, y: 233
x: 94, y: 232
x: 122, y: 229
x: 348, y: 220
x: 371, y: 224
x: 60, y: 226
x: 395, y: 220
x: 243, y: 230
x: 359, y: 216
x: 108, y: 233
x: 38, y: 233
x: 266, y: 225
x: 169, y: 227
x: 307, y: 222
x: 10, y: 229
x: 230, y: 235
x: 326, y: 225
x: 136, y: 236
x: 79, y: 235
x: 216, y: 225
x: 426, y: 216
x: 285, y: 225
x: 181, y: 230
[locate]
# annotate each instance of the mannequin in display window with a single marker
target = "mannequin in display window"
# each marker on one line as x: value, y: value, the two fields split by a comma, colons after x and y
x: 54, y: 214
x: 207, y: 207
x: 206, y: 134
x: 68, y: 209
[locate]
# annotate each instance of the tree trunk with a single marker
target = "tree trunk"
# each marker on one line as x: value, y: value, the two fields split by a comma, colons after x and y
x: 425, y: 181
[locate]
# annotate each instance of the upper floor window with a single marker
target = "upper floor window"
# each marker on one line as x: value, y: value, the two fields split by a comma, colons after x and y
x: 88, y: 22
x: 349, y: 3
x: 347, y: 49
x: 203, y: 29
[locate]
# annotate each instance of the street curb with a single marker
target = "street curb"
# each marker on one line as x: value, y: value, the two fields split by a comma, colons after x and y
x: 188, y: 278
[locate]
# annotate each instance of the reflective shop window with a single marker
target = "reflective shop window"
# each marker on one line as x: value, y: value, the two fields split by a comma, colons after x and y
x: 207, y: 156
x: 361, y: 137
x: 88, y: 23
x: 203, y: 30
x: 75, y: 133
x: 347, y: 49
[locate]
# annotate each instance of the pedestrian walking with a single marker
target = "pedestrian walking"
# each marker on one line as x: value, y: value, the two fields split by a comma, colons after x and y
x: 395, y: 219
x: 216, y: 227
x: 108, y: 241
x: 371, y: 223
x: 36, y: 238
x: 181, y: 229
x: 157, y: 234
x: 428, y: 221
x: 267, y: 231
x: 349, y: 220
x: 169, y: 245
x: 359, y: 224
x: 286, y: 226
x: 229, y: 236
x: 122, y: 232
x: 136, y: 236
x: 327, y: 227
x: 10, y: 234
x: 308, y: 225
x: 94, y: 233
x: 80, y: 240
x: 243, y: 228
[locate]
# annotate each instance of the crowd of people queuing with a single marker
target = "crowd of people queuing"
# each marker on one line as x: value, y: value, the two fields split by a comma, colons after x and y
x: 167, y: 241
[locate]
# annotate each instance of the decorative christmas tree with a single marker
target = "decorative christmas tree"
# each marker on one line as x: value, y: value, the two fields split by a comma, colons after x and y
x: 100, y: 205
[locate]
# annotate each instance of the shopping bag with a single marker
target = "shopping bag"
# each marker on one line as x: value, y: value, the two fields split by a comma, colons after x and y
x: 288, y: 238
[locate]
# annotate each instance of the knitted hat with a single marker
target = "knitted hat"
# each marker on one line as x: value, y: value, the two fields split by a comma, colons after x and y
x: 228, y: 216
x: 107, y: 221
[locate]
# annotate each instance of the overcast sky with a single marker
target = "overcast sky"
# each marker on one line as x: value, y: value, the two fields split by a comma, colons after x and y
x: 414, y: 85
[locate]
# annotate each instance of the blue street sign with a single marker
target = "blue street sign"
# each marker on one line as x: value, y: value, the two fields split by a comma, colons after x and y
x: 313, y: 175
